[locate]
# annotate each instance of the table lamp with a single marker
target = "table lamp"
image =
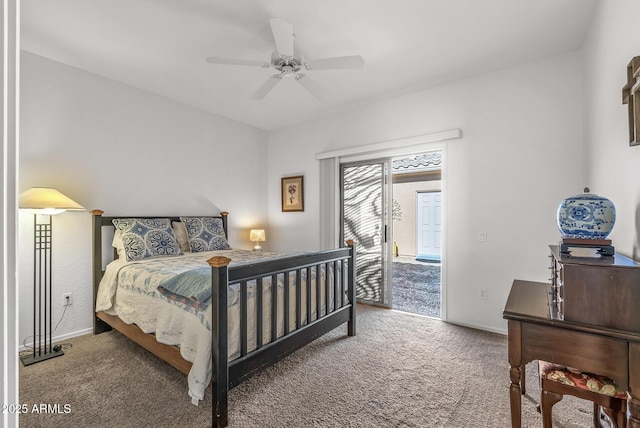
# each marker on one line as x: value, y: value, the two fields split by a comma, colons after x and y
x: 257, y: 236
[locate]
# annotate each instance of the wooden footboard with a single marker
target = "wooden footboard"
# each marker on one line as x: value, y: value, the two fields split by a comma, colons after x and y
x: 339, y: 307
x: 334, y: 273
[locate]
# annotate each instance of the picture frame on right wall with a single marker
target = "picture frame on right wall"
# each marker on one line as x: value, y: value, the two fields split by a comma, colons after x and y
x: 292, y: 193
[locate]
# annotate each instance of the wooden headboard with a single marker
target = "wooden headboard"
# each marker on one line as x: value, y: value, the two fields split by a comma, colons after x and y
x: 101, y: 222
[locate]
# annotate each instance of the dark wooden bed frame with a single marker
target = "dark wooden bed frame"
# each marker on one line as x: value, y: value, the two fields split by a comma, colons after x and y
x: 228, y: 374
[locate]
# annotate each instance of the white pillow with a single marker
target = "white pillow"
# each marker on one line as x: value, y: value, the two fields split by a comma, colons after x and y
x: 180, y: 230
x: 118, y: 244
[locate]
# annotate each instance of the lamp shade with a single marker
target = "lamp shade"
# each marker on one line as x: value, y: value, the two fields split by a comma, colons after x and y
x: 257, y: 235
x: 47, y: 200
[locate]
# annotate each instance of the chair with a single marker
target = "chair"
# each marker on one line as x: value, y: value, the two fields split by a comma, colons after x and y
x: 557, y: 381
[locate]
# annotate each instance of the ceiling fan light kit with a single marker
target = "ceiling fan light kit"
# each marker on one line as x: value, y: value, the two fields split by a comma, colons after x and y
x: 287, y: 64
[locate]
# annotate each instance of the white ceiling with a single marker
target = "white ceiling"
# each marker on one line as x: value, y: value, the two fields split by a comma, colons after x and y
x: 161, y: 45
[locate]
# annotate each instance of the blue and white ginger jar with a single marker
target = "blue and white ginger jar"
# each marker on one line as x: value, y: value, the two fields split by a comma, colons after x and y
x: 586, y: 216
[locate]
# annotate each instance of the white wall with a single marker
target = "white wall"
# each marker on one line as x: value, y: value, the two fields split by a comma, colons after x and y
x: 613, y: 167
x: 128, y: 152
x: 520, y: 155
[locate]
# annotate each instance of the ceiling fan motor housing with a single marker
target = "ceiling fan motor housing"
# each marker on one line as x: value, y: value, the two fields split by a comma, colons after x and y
x: 287, y: 65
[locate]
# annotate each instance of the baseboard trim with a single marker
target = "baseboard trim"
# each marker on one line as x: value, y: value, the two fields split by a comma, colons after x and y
x: 62, y: 337
x: 479, y: 327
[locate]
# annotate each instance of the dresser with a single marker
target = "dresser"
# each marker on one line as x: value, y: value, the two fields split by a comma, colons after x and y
x: 588, y: 317
x: 602, y: 291
x: 536, y: 334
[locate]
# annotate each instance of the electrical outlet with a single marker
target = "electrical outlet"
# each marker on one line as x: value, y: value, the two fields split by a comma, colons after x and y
x: 482, y: 236
x: 67, y: 299
x: 482, y: 294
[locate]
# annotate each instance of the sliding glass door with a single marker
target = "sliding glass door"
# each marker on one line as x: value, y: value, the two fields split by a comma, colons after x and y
x: 364, y: 212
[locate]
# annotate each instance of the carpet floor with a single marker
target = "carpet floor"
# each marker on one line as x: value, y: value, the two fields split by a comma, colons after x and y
x: 416, y: 288
x: 401, y: 370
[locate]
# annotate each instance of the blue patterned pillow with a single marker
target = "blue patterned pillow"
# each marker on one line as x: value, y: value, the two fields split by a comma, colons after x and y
x: 205, y: 233
x: 145, y: 237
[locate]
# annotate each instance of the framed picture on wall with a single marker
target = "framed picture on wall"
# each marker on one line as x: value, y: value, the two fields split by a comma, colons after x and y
x: 293, y: 193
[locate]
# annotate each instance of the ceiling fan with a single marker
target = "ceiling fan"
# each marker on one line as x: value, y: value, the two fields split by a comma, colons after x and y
x: 288, y: 64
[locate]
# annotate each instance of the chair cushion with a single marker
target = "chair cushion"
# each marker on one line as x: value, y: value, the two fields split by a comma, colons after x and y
x: 583, y: 380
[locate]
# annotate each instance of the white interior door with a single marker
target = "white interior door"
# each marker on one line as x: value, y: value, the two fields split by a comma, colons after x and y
x: 429, y: 225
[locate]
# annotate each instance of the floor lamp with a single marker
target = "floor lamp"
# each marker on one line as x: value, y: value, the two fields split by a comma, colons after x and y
x: 44, y: 203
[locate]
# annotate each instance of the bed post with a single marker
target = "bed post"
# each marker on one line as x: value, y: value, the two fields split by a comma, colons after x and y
x: 351, y: 325
x: 224, y: 215
x: 98, y: 325
x: 219, y: 340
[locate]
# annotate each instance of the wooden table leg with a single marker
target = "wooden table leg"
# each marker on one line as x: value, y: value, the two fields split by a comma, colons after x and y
x: 515, y: 397
x: 515, y: 372
x: 634, y: 410
x: 634, y: 385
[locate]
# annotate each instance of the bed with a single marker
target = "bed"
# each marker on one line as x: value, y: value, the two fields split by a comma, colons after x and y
x: 217, y: 314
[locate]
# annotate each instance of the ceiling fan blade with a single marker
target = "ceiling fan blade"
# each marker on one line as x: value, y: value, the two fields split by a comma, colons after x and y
x: 232, y: 61
x: 311, y: 86
x: 283, y: 36
x: 337, y: 63
x: 267, y: 87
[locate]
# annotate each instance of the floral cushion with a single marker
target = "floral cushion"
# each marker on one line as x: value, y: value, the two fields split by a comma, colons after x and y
x: 205, y: 233
x: 588, y: 381
x: 147, y: 237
